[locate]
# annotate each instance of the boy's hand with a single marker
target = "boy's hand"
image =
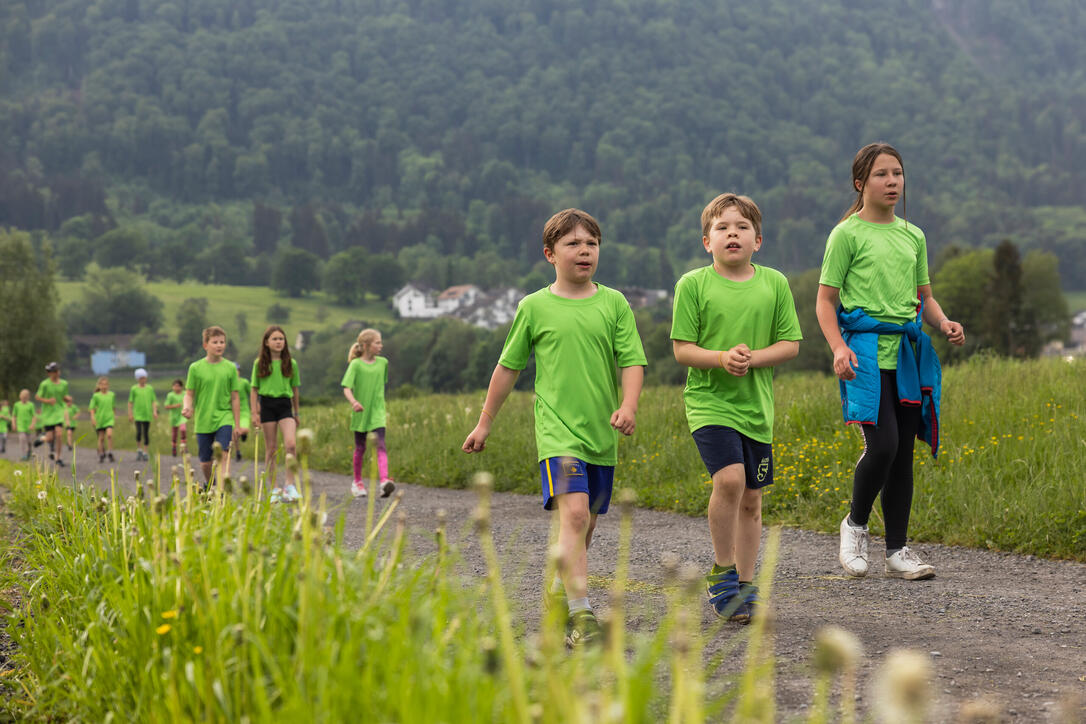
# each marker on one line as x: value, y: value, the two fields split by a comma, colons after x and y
x: 624, y: 420
x: 955, y: 333
x: 476, y: 440
x: 737, y: 360
x: 357, y: 406
x: 186, y: 412
x: 845, y: 363
x: 254, y: 420
x: 243, y: 431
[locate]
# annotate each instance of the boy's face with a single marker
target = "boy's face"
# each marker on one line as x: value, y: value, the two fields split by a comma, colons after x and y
x: 142, y: 381
x: 215, y: 346
x: 54, y: 375
x: 24, y: 396
x: 176, y: 387
x: 731, y: 240
x: 574, y: 256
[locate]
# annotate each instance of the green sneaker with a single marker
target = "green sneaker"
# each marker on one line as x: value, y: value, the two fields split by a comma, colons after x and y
x: 582, y: 629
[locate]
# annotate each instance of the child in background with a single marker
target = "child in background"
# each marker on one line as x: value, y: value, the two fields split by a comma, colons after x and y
x: 874, y: 271
x: 102, y: 417
x: 734, y: 321
x: 53, y: 396
x: 25, y: 419
x: 142, y: 408
x: 6, y: 421
x: 582, y: 333
x: 211, y: 401
x: 175, y: 398
x: 72, y: 413
x: 245, y: 405
x: 274, y: 392
x: 364, y: 387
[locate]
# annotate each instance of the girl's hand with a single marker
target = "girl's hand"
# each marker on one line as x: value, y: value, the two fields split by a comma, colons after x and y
x: 254, y: 420
x: 357, y: 406
x: 476, y: 440
x: 737, y: 360
x: 955, y: 333
x: 186, y: 412
x: 845, y: 363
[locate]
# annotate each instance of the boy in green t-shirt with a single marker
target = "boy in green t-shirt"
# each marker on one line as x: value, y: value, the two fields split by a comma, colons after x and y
x: 580, y: 333
x: 733, y: 322
x: 53, y: 396
x: 246, y: 412
x: 72, y: 413
x: 6, y: 421
x: 102, y: 418
x: 142, y: 408
x: 23, y: 414
x: 175, y: 399
x: 211, y: 402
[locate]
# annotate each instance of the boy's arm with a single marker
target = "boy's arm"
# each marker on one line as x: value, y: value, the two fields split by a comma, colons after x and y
x: 235, y: 407
x: 776, y: 353
x: 186, y: 408
x: 844, y: 359
x: 624, y: 419
x: 501, y: 384
x: 735, y: 360
x: 130, y: 409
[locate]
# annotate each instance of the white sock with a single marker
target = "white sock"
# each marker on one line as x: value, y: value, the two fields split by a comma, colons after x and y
x: 579, y: 604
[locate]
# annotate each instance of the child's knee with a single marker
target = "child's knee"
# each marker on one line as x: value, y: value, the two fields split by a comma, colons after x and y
x: 730, y: 481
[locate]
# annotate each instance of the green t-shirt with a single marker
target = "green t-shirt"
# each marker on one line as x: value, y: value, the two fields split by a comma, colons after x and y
x: 717, y: 313
x: 275, y: 384
x: 5, y: 419
x: 878, y: 267
x: 578, y: 345
x: 212, y: 386
x: 367, y: 381
x: 52, y: 414
x: 244, y: 388
x: 143, y: 401
x: 101, y: 404
x: 73, y: 413
x: 175, y: 398
x: 24, y: 415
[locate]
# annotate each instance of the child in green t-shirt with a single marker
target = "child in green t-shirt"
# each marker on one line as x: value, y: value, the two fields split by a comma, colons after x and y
x: 580, y: 332
x: 245, y: 406
x: 273, y: 401
x: 25, y: 419
x: 142, y: 408
x: 53, y: 396
x: 874, y: 272
x: 211, y: 402
x: 364, y: 387
x: 102, y: 417
x: 733, y: 322
x: 6, y: 421
x: 71, y: 413
x: 175, y: 398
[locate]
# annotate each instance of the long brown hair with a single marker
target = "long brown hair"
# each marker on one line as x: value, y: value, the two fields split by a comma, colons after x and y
x: 263, y: 362
x: 861, y: 170
x: 365, y: 338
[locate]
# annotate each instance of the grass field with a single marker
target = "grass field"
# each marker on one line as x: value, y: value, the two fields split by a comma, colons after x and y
x: 1076, y: 301
x: 314, y: 311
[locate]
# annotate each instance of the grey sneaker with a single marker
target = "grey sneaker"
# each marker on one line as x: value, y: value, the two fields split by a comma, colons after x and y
x: 906, y: 564
x: 853, y: 553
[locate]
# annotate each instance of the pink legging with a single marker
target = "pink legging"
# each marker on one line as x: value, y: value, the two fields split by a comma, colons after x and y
x: 360, y: 452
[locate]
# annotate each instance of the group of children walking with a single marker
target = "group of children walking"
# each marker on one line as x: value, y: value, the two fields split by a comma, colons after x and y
x: 733, y: 322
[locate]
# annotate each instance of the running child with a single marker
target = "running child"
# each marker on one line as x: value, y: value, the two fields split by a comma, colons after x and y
x: 25, y: 420
x: 245, y: 388
x: 734, y: 321
x: 53, y: 396
x: 142, y: 408
x: 364, y: 387
x: 175, y: 399
x: 6, y: 421
x: 274, y: 400
x: 874, y: 273
x: 211, y: 402
x: 582, y: 334
x: 102, y: 418
x: 71, y: 414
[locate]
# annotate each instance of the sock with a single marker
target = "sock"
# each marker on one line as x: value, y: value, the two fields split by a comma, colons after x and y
x: 718, y: 569
x: 557, y: 586
x: 579, y: 604
x: 891, y: 551
x: 853, y: 524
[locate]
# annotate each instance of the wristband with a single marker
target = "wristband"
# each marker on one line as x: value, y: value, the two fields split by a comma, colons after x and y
x: 720, y: 357
x: 483, y: 410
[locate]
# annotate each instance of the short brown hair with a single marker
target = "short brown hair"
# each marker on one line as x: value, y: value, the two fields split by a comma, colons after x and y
x: 213, y: 331
x: 566, y: 221
x: 746, y: 206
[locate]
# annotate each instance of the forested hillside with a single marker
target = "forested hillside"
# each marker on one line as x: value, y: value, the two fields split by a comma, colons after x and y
x: 440, y: 132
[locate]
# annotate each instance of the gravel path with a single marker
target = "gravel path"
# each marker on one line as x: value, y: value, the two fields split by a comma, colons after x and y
x: 1006, y: 629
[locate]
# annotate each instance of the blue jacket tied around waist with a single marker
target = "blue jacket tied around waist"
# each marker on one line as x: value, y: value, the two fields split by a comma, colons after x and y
x: 919, y: 375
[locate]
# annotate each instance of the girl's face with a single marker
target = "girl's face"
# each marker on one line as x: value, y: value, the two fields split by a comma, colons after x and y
x: 374, y: 348
x: 276, y: 342
x: 104, y: 384
x: 885, y: 183
x: 24, y: 396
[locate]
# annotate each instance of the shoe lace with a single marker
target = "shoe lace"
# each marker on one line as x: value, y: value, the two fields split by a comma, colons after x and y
x: 859, y: 542
x: 908, y: 556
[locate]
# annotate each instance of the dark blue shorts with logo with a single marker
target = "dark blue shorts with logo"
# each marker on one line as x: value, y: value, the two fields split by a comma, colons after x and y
x: 572, y: 475
x: 722, y: 446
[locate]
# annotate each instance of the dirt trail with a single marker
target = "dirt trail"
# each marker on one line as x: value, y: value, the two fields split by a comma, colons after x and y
x: 1003, y: 628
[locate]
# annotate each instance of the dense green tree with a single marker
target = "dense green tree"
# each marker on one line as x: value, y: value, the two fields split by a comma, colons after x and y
x: 191, y: 322
x: 32, y: 332
x: 295, y: 271
x: 114, y: 301
x: 1004, y: 325
x: 346, y: 275
x: 384, y: 275
x: 123, y: 247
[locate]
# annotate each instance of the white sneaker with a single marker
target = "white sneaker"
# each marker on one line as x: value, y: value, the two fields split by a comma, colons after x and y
x: 906, y: 564
x: 386, y: 488
x: 853, y: 554
x: 358, y: 489
x: 291, y: 494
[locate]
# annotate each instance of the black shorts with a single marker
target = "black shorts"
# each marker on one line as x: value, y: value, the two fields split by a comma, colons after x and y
x: 722, y: 446
x: 103, y: 429
x: 274, y: 409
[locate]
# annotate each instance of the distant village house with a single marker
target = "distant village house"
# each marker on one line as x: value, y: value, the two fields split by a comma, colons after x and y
x: 108, y: 352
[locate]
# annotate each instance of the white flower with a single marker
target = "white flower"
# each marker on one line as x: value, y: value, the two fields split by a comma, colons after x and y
x: 18, y: 473
x: 41, y: 495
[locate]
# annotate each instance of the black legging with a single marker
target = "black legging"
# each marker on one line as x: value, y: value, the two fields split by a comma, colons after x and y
x: 886, y: 464
x: 143, y: 432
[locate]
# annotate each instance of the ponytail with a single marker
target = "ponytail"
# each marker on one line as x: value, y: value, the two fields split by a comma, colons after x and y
x: 354, y: 352
x: 365, y: 338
